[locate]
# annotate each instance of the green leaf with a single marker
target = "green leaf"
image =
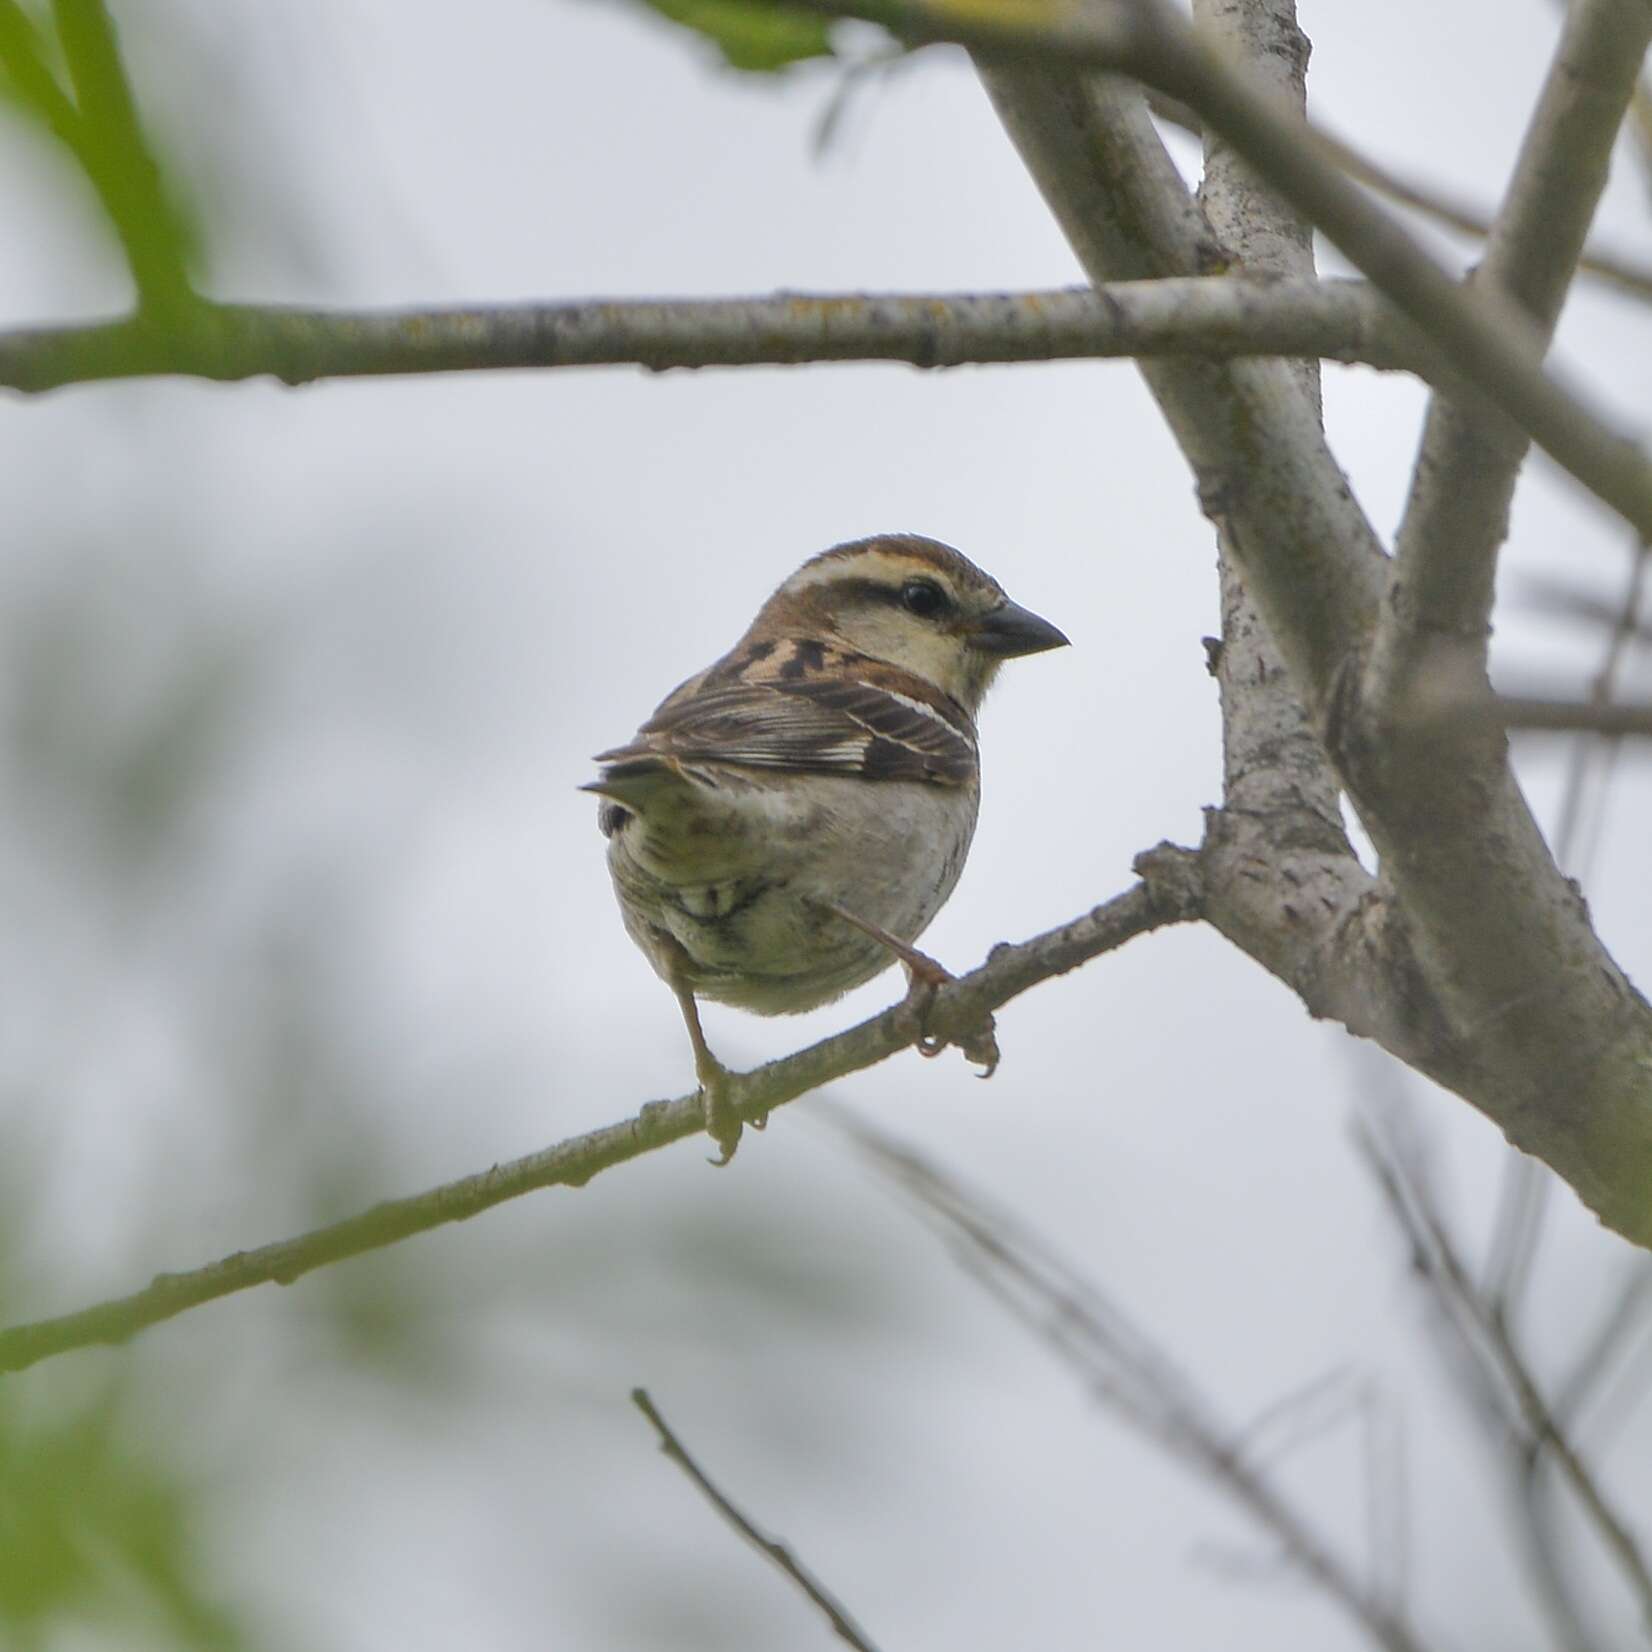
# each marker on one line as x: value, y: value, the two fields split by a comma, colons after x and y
x: 752, y: 35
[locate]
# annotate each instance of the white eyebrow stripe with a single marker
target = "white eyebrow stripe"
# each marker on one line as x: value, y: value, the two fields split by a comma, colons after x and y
x: 890, y: 565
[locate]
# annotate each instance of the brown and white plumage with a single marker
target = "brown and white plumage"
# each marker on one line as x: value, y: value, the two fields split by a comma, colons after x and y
x: 789, y: 813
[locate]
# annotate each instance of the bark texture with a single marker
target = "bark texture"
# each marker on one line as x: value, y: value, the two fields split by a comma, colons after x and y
x: 1471, y: 957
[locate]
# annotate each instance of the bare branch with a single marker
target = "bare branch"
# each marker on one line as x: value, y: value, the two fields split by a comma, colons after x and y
x: 1481, y: 334
x: 1311, y: 559
x: 1339, y: 320
x: 1489, y: 1342
x: 1516, y: 1232
x: 1490, y: 341
x: 1536, y: 713
x: 1470, y: 218
x: 1278, y: 786
x: 1120, y: 1365
x: 1451, y: 961
x: 1480, y: 338
x: 842, y: 1624
x: 1627, y: 628
x: 1169, y: 893
x: 1537, y: 1485
x: 1436, y: 615
x: 1565, y: 599
x: 1391, y: 1148
x: 1626, y: 1314
x: 1283, y: 883
x: 1614, y: 268
x: 1524, y: 1197
x: 1639, y: 123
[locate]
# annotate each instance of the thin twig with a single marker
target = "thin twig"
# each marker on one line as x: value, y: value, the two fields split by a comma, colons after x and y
x: 1569, y: 716
x: 1537, y: 1484
x: 1516, y: 1229
x: 1625, y: 1314
x: 1216, y: 316
x: 1490, y: 341
x: 1524, y: 1196
x: 1484, y: 908
x: 1402, y: 1172
x: 1537, y: 714
x: 1603, y: 263
x: 1469, y: 218
x: 1639, y: 124
x: 1475, y: 1347
x: 1436, y: 618
x: 836, y: 1614
x: 1627, y: 628
x: 1120, y: 1364
x: 1490, y: 1344
x: 1170, y: 893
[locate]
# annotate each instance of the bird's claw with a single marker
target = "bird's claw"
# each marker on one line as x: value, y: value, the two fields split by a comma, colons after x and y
x: 979, y: 1044
x: 723, y: 1123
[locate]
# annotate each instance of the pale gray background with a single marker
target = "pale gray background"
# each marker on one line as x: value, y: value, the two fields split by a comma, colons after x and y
x: 437, y: 599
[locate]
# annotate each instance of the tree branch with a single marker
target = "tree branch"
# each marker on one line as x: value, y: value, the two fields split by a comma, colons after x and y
x: 1606, y: 264
x: 1488, y: 340
x: 1485, y: 338
x: 1524, y: 1197
x: 843, y: 1626
x: 1338, y: 320
x: 1265, y: 476
x: 1567, y: 716
x: 1488, y: 1344
x: 1124, y: 1370
x: 1282, y: 882
x: 1168, y: 893
x: 1472, y: 959
x: 1436, y: 614
x: 1480, y: 337
x: 1281, y: 804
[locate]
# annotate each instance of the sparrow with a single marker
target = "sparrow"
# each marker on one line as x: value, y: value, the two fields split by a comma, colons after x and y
x: 789, y: 820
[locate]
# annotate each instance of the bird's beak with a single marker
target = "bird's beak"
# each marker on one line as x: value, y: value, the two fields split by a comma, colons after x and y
x: 1010, y: 630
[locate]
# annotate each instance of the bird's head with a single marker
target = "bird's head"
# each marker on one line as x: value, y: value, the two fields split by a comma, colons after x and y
x: 914, y: 602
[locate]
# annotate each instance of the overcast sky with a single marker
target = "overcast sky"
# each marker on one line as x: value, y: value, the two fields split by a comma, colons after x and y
x: 441, y: 597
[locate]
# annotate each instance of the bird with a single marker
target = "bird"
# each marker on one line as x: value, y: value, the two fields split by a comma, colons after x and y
x: 790, y: 819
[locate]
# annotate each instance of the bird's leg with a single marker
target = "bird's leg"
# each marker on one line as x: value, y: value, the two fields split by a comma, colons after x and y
x: 722, y: 1122
x: 923, y: 977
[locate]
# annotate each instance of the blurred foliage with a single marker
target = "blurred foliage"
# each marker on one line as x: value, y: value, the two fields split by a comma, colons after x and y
x: 110, y: 730
x: 63, y: 72
x: 149, y: 733
x: 101, y: 1521
x: 753, y: 35
x: 97, y: 1525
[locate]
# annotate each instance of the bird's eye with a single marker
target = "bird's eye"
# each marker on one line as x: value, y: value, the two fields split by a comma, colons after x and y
x: 923, y: 597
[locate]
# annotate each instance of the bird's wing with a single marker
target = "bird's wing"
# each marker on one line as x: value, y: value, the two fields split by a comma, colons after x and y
x: 812, y: 711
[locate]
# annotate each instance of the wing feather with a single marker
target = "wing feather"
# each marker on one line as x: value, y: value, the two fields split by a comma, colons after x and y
x: 846, y: 715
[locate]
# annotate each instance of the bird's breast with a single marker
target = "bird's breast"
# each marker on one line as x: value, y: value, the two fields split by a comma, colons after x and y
x: 736, y: 882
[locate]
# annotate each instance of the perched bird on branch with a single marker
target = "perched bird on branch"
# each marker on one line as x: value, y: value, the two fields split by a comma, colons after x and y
x: 788, y: 822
